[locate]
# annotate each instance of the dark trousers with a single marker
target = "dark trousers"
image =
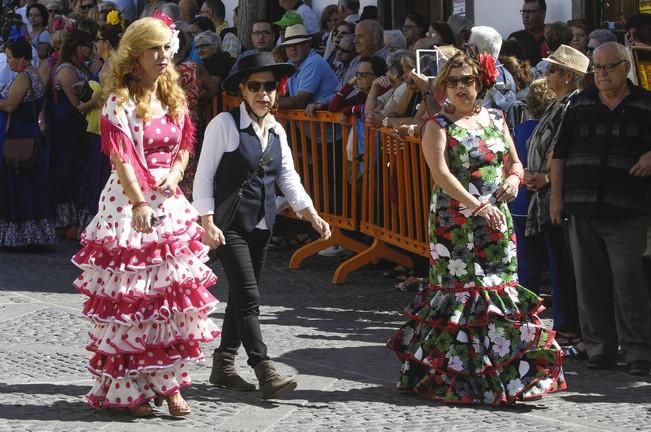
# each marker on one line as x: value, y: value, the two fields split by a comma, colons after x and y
x: 612, y: 290
x: 242, y: 258
x: 552, y: 245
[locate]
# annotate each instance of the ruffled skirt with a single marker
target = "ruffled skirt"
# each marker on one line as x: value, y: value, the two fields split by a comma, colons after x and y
x: 480, y: 346
x: 148, y: 298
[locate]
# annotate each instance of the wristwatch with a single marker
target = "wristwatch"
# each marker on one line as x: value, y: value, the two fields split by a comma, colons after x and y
x: 385, y: 122
x: 411, y: 130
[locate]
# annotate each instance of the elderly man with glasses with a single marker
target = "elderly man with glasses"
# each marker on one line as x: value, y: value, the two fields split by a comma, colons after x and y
x: 600, y: 178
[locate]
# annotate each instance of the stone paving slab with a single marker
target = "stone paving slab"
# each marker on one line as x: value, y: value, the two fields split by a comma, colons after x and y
x: 331, y: 337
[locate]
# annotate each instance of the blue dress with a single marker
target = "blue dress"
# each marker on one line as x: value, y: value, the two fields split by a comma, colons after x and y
x: 69, y: 151
x: 26, y: 208
x: 94, y: 177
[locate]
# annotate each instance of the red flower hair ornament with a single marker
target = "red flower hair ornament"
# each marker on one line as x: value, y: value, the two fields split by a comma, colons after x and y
x: 169, y: 22
x: 487, y: 72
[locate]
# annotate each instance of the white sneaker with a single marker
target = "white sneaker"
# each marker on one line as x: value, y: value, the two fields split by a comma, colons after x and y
x: 332, y: 251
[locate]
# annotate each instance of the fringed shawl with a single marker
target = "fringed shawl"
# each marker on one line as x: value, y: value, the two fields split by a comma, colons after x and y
x: 122, y: 134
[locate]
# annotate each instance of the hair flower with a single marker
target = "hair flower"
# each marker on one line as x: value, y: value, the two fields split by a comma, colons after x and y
x: 488, y: 70
x: 175, y: 42
x: 169, y: 22
x: 113, y: 18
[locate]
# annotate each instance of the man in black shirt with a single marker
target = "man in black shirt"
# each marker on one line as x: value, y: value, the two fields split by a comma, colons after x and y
x: 600, y: 177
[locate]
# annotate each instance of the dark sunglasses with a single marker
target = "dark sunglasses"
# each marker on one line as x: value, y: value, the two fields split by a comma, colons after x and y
x: 268, y: 86
x: 466, y: 81
x: 345, y: 51
x: 86, y: 6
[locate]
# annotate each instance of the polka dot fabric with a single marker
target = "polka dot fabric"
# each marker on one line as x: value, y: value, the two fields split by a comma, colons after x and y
x: 148, y: 298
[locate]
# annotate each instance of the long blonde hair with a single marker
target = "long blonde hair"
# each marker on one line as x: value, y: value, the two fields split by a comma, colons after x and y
x: 141, y: 35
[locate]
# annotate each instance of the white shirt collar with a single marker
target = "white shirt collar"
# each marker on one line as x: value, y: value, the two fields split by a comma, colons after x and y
x: 269, y: 121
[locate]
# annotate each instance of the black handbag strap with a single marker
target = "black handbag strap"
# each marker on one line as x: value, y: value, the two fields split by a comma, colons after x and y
x: 235, y: 113
x: 30, y: 89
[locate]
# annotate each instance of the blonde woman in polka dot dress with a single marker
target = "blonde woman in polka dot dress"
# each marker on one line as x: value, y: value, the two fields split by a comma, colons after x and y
x: 142, y: 258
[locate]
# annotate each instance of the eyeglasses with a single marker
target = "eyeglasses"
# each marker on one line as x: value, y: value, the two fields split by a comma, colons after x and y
x: 267, y: 86
x: 99, y: 39
x: 203, y: 46
x: 86, y: 6
x: 465, y: 81
x: 260, y: 33
x: 529, y: 11
x: 364, y: 74
x: 597, y: 68
x: 345, y: 51
x: 342, y: 32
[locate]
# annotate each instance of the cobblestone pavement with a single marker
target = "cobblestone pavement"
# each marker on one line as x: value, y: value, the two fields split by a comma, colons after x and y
x: 331, y: 337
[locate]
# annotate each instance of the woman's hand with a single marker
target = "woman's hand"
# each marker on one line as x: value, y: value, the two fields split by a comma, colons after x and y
x: 141, y: 219
x: 213, y: 237
x: 168, y: 184
x: 352, y: 81
x: 421, y: 81
x: 311, y: 108
x: 381, y: 82
x: 374, y: 119
x: 495, y: 218
x: 509, y: 189
x: 317, y: 222
x: 534, y: 181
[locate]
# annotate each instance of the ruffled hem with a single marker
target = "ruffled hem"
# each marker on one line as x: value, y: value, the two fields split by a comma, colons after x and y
x: 475, y: 307
x: 477, y: 347
x: 66, y: 215
x: 134, y: 390
x: 117, y: 365
x: 29, y: 233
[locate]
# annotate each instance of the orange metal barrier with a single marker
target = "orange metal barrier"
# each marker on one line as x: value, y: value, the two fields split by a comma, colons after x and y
x: 388, y: 199
x: 397, y: 192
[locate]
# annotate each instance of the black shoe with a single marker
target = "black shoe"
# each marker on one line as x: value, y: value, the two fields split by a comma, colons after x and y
x: 601, y: 362
x: 638, y: 368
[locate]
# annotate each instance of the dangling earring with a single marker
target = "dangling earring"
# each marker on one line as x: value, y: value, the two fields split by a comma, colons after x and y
x: 567, y: 82
x: 477, y: 108
x: 136, y: 71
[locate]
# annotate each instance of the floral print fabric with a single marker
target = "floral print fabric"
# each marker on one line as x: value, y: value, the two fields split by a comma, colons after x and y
x: 473, y: 335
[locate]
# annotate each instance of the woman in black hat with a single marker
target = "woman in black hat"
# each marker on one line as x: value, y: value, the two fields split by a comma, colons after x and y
x: 244, y: 154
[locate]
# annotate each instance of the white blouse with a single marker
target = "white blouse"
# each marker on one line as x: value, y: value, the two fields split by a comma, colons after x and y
x: 222, y: 136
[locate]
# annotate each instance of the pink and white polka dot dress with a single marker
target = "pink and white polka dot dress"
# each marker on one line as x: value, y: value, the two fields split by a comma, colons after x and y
x: 148, y: 297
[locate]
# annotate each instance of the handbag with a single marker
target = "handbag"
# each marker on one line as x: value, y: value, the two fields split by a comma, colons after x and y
x: 20, y: 153
x: 83, y: 91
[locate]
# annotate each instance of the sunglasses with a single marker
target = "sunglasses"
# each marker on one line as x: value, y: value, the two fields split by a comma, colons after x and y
x: 345, y: 51
x: 268, y: 86
x: 465, y: 81
x: 86, y: 6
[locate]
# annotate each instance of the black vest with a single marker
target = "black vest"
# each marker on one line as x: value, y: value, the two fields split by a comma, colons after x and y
x: 247, y: 161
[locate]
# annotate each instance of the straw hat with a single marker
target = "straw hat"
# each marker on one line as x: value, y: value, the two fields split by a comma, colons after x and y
x: 249, y: 64
x: 569, y: 58
x: 296, y: 34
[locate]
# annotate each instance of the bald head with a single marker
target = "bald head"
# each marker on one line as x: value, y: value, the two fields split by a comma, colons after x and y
x: 369, y: 37
x: 611, y: 66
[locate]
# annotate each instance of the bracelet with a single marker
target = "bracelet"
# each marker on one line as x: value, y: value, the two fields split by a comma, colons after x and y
x: 520, y: 176
x: 139, y: 204
x: 479, y: 208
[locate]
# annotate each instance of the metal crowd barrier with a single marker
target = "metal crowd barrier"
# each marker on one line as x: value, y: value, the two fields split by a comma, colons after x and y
x: 384, y: 193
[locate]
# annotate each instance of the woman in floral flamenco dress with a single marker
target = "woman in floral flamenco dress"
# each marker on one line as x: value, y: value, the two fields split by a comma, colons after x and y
x: 142, y: 258
x: 473, y: 335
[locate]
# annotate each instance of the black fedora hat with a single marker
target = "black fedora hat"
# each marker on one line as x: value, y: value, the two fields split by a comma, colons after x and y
x: 252, y: 63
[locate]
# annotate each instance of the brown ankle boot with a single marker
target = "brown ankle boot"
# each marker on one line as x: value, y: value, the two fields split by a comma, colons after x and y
x: 272, y: 384
x: 224, y: 374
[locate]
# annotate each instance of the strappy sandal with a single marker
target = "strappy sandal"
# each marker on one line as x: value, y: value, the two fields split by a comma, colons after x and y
x: 177, y: 408
x: 142, y: 410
